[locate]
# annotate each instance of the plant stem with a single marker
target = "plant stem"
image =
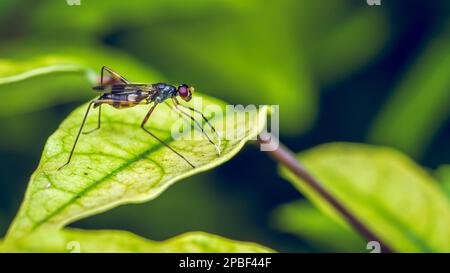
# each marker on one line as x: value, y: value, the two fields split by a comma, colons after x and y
x: 288, y: 159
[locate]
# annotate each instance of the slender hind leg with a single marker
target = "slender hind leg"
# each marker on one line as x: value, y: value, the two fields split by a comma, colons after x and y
x: 78, y: 135
x: 162, y: 142
x: 115, y: 76
x: 98, y: 121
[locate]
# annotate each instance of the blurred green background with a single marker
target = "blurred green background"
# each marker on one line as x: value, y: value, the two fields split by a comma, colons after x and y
x: 340, y: 71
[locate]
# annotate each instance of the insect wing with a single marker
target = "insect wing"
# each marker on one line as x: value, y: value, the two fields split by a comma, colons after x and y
x: 125, y: 88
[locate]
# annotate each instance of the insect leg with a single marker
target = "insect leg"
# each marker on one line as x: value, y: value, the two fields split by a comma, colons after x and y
x: 116, y: 76
x: 177, y: 105
x: 78, y: 135
x: 98, y: 122
x: 198, y: 125
x: 162, y: 142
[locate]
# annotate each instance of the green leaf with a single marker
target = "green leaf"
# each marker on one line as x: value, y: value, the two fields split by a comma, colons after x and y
x: 419, y: 105
x: 306, y: 222
x: 387, y: 191
x: 332, y: 56
x: 8, y: 7
x: 120, y: 163
x: 11, y: 72
x: 75, y: 240
x: 21, y: 80
x: 443, y: 175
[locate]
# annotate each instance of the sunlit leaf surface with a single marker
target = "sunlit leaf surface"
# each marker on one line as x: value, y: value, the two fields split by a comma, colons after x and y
x: 388, y: 192
x: 308, y: 223
x: 74, y: 240
x: 120, y: 163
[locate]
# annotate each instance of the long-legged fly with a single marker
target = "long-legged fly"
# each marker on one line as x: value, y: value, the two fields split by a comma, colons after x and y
x: 123, y: 94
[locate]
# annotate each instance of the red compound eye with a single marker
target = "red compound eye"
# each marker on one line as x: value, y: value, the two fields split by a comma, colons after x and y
x: 183, y: 90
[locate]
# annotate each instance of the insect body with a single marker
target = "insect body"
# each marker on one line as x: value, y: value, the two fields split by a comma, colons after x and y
x: 123, y: 94
x: 128, y: 95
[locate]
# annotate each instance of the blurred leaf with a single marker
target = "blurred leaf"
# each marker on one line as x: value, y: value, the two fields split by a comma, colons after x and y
x: 338, y: 37
x: 387, y: 191
x: 7, y: 10
x: 443, y: 175
x: 11, y: 72
x: 19, y: 94
x: 60, y: 75
x: 243, y: 57
x: 346, y: 43
x: 419, y: 106
x: 70, y: 240
x: 5, y: 6
x: 305, y: 221
x: 99, y: 17
x: 253, y: 61
x: 120, y: 163
x: 239, y: 56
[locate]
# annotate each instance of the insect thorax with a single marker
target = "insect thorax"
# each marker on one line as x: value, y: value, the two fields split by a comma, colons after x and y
x: 165, y: 91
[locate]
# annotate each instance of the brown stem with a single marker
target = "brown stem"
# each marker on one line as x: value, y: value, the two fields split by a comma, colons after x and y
x: 287, y: 158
